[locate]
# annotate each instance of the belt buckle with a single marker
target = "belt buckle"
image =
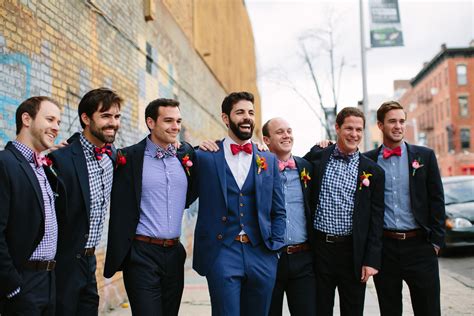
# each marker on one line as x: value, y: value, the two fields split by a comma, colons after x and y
x: 328, y: 240
x: 289, y: 249
x: 241, y: 239
x: 166, y: 243
x: 50, y: 265
x: 403, y: 236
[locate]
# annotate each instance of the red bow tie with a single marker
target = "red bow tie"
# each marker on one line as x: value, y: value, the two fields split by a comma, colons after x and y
x: 238, y: 148
x: 98, y: 152
x: 396, y: 151
x: 290, y: 164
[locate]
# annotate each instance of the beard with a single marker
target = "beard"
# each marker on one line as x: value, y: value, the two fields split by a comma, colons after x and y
x: 99, y: 133
x: 237, y: 132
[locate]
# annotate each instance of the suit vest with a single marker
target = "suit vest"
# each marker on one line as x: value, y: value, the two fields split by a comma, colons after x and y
x: 241, y: 208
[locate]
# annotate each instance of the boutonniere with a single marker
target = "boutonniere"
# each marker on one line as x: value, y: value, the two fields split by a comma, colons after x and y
x: 364, y: 180
x: 305, y: 177
x: 121, y: 159
x: 416, y: 164
x: 261, y: 164
x: 48, y: 163
x: 187, y: 164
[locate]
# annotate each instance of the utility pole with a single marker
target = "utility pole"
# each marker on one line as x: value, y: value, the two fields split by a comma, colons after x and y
x: 365, y: 99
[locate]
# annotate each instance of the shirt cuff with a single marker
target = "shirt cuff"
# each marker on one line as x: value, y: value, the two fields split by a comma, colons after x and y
x: 14, y: 293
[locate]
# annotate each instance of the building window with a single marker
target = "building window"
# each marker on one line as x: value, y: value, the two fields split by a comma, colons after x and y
x: 465, y: 138
x: 461, y: 72
x: 463, y: 106
x: 448, y: 107
x: 450, y: 134
x: 149, y: 58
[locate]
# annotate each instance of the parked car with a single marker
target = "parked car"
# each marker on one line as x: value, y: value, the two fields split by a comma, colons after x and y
x: 459, y: 200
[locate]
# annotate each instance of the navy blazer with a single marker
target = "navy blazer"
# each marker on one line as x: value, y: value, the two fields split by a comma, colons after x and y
x: 367, y: 218
x: 125, y: 203
x: 211, y: 187
x: 426, y: 191
x: 21, y: 215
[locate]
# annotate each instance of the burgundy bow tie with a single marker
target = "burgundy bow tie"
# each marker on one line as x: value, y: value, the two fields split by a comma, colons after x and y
x: 290, y: 164
x: 387, y: 153
x: 238, y: 148
x: 106, y: 149
x: 40, y: 160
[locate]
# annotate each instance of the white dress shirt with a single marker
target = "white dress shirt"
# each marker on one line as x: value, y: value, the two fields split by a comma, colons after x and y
x: 239, y: 164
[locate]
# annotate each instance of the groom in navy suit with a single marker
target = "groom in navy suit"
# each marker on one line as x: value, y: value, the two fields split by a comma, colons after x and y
x: 241, y: 219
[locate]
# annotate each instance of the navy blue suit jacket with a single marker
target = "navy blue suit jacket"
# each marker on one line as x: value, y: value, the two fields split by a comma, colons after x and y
x: 211, y: 187
x: 426, y: 191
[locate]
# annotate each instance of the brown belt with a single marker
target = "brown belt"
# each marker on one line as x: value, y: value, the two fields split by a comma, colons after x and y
x: 330, y: 238
x: 402, y: 235
x: 40, y: 265
x: 243, y: 238
x: 158, y: 241
x: 88, y: 252
x: 291, y: 249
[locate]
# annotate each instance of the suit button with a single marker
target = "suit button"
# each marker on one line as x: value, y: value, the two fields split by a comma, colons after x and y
x: 78, y: 256
x: 86, y: 236
x: 219, y: 236
x: 241, y: 194
x: 241, y: 204
x: 224, y: 218
x: 242, y: 225
x: 241, y: 214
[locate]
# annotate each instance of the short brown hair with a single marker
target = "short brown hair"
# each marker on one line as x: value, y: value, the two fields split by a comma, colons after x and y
x: 30, y: 106
x: 91, y: 101
x: 346, y: 112
x: 387, y: 107
x: 153, y: 107
x: 234, y: 98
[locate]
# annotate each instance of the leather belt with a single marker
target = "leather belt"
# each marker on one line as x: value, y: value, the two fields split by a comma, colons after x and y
x: 88, y: 252
x: 402, y: 235
x: 330, y: 238
x: 244, y: 239
x: 291, y: 249
x: 40, y: 265
x: 158, y: 241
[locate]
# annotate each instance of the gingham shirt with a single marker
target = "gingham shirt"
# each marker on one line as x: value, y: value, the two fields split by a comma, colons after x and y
x: 46, y: 249
x: 336, y: 199
x: 100, y: 185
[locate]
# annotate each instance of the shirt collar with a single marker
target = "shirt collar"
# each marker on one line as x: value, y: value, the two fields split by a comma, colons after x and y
x: 153, y: 148
x: 350, y: 156
x: 87, y: 145
x: 26, y: 151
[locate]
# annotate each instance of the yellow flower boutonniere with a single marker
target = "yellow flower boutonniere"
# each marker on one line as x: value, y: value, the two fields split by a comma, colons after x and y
x: 261, y: 164
x: 305, y: 177
x: 364, y: 180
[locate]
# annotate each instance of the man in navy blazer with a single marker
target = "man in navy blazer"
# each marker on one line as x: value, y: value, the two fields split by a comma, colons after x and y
x: 241, y: 219
x: 348, y: 202
x: 28, y: 221
x: 295, y: 274
x: 414, y: 221
x: 86, y: 168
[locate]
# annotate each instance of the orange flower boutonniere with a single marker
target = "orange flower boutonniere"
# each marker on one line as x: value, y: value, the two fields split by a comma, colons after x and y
x: 261, y: 164
x: 305, y: 177
x: 364, y: 180
x: 187, y: 163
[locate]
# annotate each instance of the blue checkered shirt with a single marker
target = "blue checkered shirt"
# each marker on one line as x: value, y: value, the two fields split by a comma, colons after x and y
x: 100, y: 184
x: 336, y: 199
x: 46, y: 249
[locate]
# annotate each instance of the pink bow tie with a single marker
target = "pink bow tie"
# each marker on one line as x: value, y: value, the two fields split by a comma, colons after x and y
x: 290, y: 164
x: 40, y: 160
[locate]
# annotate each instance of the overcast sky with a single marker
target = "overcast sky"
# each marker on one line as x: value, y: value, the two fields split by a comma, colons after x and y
x: 278, y: 24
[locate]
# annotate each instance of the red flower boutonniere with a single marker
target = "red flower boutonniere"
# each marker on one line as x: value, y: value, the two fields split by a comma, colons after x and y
x: 416, y: 164
x: 261, y: 164
x: 305, y: 177
x: 364, y: 180
x: 187, y: 163
x: 48, y: 163
x: 121, y: 159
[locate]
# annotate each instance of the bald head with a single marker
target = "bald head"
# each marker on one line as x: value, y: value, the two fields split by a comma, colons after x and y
x: 278, y: 136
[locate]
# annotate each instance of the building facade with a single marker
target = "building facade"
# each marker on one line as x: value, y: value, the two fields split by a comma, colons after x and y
x: 439, y: 104
x: 196, y: 51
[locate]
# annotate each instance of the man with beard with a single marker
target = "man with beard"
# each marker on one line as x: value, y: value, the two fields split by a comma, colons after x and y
x: 414, y: 221
x: 147, y: 204
x: 241, y: 219
x: 295, y: 274
x: 28, y: 222
x: 86, y: 168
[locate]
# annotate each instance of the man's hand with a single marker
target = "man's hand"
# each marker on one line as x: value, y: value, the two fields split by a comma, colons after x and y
x: 62, y: 144
x: 209, y: 145
x: 325, y: 143
x: 436, y: 249
x: 367, y: 272
x: 261, y: 147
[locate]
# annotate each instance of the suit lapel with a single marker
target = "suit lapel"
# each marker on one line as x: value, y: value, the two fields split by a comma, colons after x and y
x: 30, y: 174
x: 258, y: 177
x: 362, y: 167
x: 137, y: 170
x: 305, y: 188
x: 411, y: 156
x: 82, y: 173
x: 219, y: 160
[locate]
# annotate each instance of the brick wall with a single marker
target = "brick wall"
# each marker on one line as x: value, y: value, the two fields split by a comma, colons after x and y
x: 64, y: 48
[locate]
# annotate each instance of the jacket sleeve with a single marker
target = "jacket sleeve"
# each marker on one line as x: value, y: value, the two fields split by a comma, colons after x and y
x: 278, y: 212
x: 373, y: 253
x: 10, y: 279
x: 435, y: 202
x: 312, y: 154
